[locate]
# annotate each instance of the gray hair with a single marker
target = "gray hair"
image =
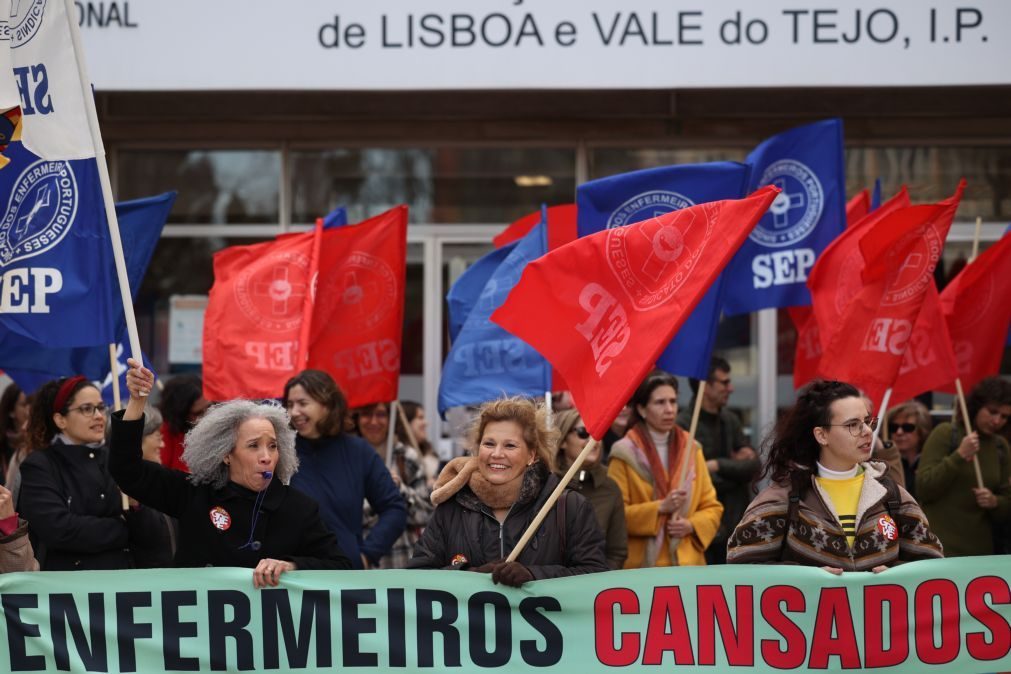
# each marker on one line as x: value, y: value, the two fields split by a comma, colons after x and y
x: 215, y: 435
x: 152, y: 420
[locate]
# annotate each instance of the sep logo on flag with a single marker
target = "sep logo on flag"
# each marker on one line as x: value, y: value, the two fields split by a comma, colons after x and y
x: 640, y: 257
x: 367, y: 288
x: 911, y: 277
x: 647, y: 205
x: 25, y: 20
x: 40, y: 212
x: 271, y: 292
x: 796, y: 210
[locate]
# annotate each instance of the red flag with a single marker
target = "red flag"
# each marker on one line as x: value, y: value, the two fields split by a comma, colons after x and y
x: 358, y: 317
x: 254, y: 317
x: 835, y: 278
x: 602, y: 308
x: 977, y: 309
x: 929, y: 362
x: 807, y: 354
x: 561, y: 227
x: 900, y: 255
x: 858, y: 207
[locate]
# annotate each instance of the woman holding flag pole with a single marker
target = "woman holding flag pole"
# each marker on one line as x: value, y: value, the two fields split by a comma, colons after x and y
x: 668, y: 524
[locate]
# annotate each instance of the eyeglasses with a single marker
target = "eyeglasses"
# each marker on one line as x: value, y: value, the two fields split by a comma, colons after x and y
x: 856, y: 426
x: 905, y: 428
x: 581, y: 432
x: 89, y: 409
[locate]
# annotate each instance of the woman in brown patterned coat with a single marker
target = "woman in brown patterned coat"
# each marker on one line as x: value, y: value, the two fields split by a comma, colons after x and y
x: 828, y: 504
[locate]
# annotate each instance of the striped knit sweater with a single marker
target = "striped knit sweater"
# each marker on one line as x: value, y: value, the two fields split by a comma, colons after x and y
x: 817, y: 537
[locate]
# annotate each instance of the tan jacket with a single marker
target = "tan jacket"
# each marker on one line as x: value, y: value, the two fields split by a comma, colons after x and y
x: 16, y: 551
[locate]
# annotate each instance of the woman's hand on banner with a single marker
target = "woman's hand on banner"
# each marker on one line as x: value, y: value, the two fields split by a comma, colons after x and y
x: 268, y: 572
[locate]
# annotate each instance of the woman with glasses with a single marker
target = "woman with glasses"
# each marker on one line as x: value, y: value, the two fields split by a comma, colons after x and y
x: 341, y: 471
x: 669, y: 524
x: 70, y: 500
x: 593, y: 483
x: 828, y: 504
x: 964, y: 515
x: 908, y: 428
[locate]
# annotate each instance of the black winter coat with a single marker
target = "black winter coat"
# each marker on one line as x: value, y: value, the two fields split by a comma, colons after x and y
x: 74, y: 509
x: 465, y: 526
x: 214, y: 523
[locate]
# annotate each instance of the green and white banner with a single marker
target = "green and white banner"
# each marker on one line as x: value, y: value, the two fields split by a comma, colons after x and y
x: 943, y: 615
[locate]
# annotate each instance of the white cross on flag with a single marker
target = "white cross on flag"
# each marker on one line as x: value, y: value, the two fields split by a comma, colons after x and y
x: 37, y: 39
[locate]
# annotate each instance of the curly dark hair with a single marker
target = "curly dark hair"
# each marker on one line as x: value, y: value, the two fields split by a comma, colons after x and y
x: 41, y: 427
x: 791, y: 448
x: 8, y: 401
x: 322, y: 388
x: 177, y: 399
x: 652, y: 382
x: 990, y: 391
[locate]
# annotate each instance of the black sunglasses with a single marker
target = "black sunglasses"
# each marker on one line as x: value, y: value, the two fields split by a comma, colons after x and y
x: 581, y: 432
x: 906, y: 427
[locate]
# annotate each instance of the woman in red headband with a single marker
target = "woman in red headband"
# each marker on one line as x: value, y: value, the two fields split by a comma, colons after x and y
x: 72, y: 505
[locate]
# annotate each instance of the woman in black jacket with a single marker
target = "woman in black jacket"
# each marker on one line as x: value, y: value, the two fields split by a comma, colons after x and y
x: 234, y: 508
x: 485, y: 502
x: 67, y: 493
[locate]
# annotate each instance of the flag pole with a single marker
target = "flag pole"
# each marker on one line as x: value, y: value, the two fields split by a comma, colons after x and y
x: 305, y: 330
x: 975, y: 238
x: 968, y: 429
x: 407, y: 427
x: 106, y: 183
x: 546, y: 508
x: 547, y: 408
x: 686, y: 460
x: 883, y: 411
x: 390, y: 431
x: 117, y: 401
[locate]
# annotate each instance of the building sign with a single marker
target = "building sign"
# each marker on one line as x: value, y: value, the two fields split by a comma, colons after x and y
x: 152, y: 45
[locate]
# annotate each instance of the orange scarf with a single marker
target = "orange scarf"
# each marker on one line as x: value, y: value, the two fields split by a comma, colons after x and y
x: 639, y: 434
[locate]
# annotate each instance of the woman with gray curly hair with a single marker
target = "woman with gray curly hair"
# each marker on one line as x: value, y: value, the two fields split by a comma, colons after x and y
x: 485, y: 502
x: 234, y: 508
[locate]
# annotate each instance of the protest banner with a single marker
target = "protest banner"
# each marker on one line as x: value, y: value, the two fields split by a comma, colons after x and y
x: 935, y: 615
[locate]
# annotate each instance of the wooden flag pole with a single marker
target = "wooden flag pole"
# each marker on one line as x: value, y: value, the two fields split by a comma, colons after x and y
x: 548, y: 408
x: 689, y: 456
x: 536, y: 523
x: 882, y: 413
x: 407, y: 427
x: 975, y: 238
x: 106, y: 183
x: 968, y: 429
x: 390, y: 431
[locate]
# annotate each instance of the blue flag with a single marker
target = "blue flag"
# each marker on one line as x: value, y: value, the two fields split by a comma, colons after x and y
x: 486, y: 362
x: 29, y: 364
x: 338, y: 217
x: 771, y: 268
x: 58, y: 285
x: 467, y: 289
x: 630, y: 197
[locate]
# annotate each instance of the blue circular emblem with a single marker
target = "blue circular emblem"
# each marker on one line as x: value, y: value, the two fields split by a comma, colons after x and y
x: 647, y: 205
x: 796, y: 210
x: 40, y: 212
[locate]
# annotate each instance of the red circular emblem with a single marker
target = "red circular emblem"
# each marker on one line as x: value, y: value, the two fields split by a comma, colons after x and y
x: 220, y: 518
x: 887, y: 527
x: 458, y: 560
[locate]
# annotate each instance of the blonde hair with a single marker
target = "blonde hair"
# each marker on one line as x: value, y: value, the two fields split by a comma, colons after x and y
x: 531, y: 418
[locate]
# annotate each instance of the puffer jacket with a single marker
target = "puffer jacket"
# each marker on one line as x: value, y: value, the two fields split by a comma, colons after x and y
x: 463, y: 532
x: 816, y: 537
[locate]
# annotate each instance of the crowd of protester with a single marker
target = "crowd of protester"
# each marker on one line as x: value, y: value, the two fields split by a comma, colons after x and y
x: 306, y: 483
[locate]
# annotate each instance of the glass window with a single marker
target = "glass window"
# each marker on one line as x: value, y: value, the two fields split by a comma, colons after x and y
x: 609, y: 161
x: 440, y: 185
x: 215, y: 186
x: 932, y: 173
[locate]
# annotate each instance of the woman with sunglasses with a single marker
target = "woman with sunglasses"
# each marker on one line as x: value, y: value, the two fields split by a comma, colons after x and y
x: 593, y: 483
x: 963, y: 514
x: 828, y: 504
x: 72, y: 504
x: 908, y: 428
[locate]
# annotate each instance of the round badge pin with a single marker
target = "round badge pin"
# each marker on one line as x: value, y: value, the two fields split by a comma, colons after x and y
x: 220, y: 518
x: 888, y: 528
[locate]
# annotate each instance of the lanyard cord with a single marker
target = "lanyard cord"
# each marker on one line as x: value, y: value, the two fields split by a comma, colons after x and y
x: 256, y: 516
